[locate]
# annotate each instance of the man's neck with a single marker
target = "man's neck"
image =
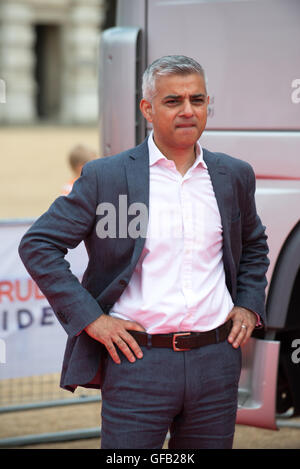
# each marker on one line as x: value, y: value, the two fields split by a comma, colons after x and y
x: 183, y: 158
x: 184, y: 161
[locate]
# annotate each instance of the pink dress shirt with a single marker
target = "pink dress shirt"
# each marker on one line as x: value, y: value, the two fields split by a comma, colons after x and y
x: 179, y: 281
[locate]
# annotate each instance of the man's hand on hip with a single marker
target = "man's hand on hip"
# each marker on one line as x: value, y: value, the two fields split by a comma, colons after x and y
x: 112, y: 331
x: 244, y: 322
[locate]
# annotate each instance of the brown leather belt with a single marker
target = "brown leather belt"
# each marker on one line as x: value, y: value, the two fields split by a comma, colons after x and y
x: 182, y: 341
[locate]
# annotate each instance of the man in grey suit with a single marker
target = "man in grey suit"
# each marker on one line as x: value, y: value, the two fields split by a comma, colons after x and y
x: 159, y: 318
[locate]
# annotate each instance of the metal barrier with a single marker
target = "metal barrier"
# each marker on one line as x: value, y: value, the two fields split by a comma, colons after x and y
x: 56, y: 437
x: 39, y: 391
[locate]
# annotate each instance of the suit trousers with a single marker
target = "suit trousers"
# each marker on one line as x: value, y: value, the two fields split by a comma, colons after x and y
x: 192, y: 394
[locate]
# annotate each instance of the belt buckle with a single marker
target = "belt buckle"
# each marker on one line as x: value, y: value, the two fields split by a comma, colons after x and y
x: 176, y: 349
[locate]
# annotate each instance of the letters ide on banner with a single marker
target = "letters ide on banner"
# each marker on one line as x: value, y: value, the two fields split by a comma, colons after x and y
x: 32, y: 341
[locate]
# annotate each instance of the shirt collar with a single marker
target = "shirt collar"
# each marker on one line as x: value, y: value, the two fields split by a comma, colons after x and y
x: 155, y: 154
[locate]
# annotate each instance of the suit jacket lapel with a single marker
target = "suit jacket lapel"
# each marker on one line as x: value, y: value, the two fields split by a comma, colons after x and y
x: 221, y: 182
x: 137, y: 173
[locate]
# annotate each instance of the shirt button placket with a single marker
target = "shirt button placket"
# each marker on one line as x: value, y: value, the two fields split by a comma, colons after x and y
x: 187, y: 244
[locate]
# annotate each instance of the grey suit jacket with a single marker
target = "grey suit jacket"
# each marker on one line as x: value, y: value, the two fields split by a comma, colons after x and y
x: 72, y: 219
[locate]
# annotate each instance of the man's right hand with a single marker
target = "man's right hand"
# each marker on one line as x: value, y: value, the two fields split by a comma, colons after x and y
x: 112, y: 331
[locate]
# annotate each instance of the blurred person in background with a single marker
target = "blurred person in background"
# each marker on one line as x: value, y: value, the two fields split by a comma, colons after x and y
x: 78, y: 156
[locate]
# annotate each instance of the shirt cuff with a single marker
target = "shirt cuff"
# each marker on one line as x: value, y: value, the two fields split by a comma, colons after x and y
x: 258, y: 320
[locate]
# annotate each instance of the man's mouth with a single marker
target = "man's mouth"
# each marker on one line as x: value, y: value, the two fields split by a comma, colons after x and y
x: 185, y: 126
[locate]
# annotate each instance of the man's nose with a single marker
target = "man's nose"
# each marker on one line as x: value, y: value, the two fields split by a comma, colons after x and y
x: 187, y: 109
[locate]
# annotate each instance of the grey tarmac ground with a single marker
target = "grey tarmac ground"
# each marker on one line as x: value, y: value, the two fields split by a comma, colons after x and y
x: 33, y: 169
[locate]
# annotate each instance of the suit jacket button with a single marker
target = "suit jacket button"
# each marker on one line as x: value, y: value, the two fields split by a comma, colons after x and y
x: 123, y: 283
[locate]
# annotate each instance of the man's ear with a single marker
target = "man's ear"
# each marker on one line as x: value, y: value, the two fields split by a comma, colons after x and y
x: 146, y: 109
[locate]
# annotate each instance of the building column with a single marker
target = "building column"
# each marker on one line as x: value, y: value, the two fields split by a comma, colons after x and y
x: 17, y: 62
x: 80, y: 44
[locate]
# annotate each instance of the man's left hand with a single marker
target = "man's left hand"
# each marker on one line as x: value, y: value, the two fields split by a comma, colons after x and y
x: 244, y: 322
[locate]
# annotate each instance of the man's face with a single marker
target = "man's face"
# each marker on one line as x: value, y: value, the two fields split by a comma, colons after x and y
x: 178, y: 111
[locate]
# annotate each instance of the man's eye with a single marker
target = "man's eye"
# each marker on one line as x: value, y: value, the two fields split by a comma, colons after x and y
x: 199, y: 101
x: 172, y: 101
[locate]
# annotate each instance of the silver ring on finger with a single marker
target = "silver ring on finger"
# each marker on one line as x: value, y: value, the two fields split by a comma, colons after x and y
x: 243, y: 326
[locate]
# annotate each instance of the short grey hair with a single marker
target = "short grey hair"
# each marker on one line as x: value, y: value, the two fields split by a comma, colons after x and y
x: 168, y: 65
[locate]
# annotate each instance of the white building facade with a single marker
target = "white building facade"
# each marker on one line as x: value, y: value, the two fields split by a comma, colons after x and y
x: 49, y: 60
